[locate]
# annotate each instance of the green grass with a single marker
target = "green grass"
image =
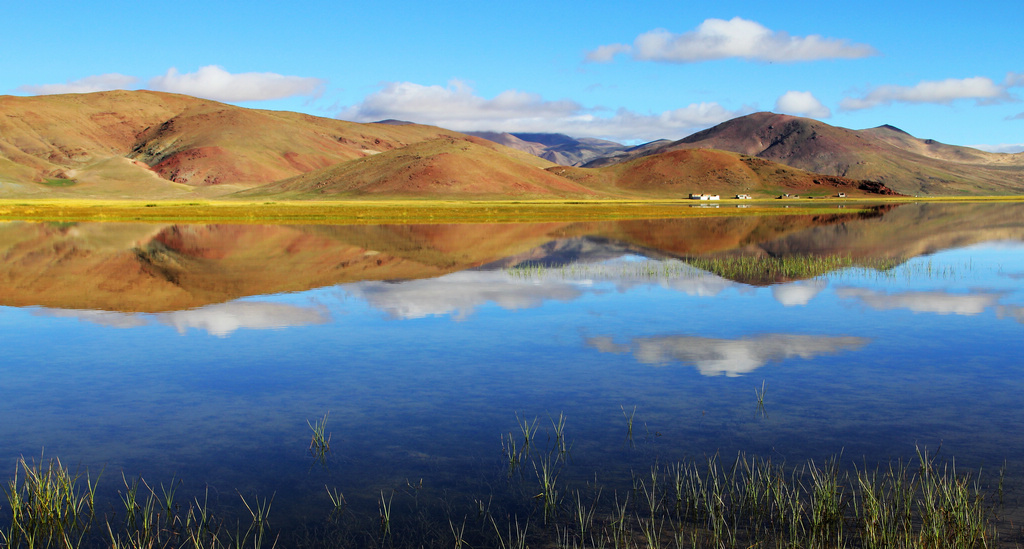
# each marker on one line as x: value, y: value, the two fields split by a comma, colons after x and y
x: 59, y: 182
x: 702, y: 503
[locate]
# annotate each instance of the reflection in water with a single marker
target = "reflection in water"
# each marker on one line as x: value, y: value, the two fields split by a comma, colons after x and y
x: 923, y: 302
x: 219, y: 320
x: 732, y: 357
x: 1011, y: 311
x: 459, y: 294
x: 798, y: 293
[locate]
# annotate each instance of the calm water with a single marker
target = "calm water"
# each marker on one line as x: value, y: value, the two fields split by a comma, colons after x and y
x: 200, y: 352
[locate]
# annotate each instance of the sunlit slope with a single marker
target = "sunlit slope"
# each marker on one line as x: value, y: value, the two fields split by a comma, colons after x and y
x: 902, y: 162
x: 678, y: 173
x: 179, y: 139
x: 450, y: 166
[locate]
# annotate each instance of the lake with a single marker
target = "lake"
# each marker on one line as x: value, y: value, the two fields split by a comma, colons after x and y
x: 201, y: 358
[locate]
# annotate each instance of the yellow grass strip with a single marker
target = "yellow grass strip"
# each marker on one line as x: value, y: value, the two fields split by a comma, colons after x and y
x: 404, y: 211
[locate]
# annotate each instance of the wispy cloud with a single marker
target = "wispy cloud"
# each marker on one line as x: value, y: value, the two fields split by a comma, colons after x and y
x: 735, y: 38
x: 213, y: 82
x: 89, y: 84
x: 937, y: 302
x: 731, y: 357
x: 1003, y: 147
x: 457, y: 107
x: 982, y: 90
x: 802, y: 104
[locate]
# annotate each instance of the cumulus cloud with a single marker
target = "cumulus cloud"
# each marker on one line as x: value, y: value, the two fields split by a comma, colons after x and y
x: 731, y: 357
x: 735, y: 38
x: 1014, y: 79
x: 1018, y: 116
x: 942, y: 303
x: 981, y: 89
x: 457, y: 107
x: 89, y: 84
x: 802, y: 104
x: 213, y: 82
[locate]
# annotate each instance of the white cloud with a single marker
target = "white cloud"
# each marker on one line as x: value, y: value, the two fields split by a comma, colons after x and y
x: 213, y: 82
x: 979, y: 88
x: 802, y: 104
x: 735, y: 38
x: 1014, y: 79
x: 457, y: 107
x: 942, y: 303
x: 731, y: 357
x: 1003, y: 147
x: 89, y: 84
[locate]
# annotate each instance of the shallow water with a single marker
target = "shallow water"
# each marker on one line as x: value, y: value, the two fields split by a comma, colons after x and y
x: 201, y: 352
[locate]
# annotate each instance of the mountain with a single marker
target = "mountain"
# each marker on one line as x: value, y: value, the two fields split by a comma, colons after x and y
x: 885, y: 154
x: 678, y: 173
x: 137, y: 143
x: 555, y: 147
x: 449, y: 166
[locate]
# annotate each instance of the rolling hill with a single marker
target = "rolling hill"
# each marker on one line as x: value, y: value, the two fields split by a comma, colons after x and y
x: 885, y: 154
x: 450, y: 166
x: 169, y: 144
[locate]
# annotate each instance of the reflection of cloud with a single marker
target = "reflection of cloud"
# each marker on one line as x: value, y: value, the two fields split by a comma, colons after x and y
x: 923, y: 302
x: 459, y: 294
x: 219, y: 320
x: 1012, y: 311
x: 732, y: 357
x: 103, y: 318
x: 798, y: 293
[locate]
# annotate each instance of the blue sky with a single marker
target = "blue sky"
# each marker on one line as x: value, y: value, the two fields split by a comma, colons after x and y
x: 950, y: 71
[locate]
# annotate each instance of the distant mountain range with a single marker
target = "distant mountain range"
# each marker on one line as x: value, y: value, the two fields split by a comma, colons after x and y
x: 152, y: 145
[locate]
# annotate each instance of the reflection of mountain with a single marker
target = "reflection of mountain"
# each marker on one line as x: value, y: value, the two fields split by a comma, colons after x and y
x: 732, y: 357
x: 942, y: 303
x: 219, y: 320
x: 139, y: 267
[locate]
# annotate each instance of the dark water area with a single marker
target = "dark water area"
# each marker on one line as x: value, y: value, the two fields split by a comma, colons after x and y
x: 202, y: 354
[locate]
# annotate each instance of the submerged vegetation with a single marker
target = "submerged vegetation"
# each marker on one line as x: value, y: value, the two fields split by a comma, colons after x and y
x: 708, y: 502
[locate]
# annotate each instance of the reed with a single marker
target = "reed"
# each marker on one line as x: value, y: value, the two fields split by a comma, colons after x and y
x: 320, y: 442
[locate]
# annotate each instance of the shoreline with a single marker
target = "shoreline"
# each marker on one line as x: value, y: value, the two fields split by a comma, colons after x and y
x: 406, y: 211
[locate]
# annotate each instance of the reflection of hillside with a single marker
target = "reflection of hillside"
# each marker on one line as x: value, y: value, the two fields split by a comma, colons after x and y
x: 140, y: 267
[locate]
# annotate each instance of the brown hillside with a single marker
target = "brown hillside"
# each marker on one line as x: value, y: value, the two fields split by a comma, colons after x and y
x: 677, y: 173
x: 887, y: 155
x: 449, y: 166
x: 178, y: 138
